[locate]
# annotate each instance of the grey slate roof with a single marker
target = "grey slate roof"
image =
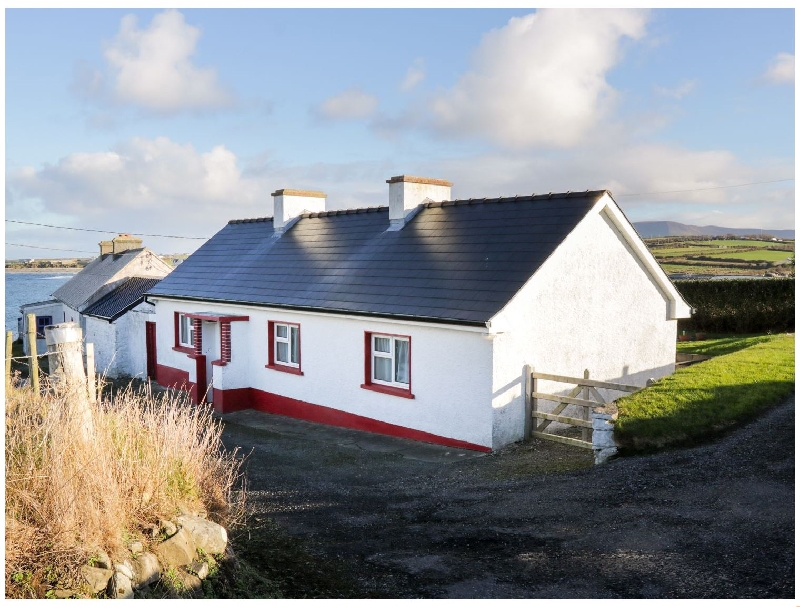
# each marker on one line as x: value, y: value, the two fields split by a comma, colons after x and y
x: 127, y: 295
x: 456, y: 261
x: 80, y: 288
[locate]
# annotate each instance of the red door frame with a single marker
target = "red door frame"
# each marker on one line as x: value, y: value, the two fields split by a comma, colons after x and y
x: 150, y: 345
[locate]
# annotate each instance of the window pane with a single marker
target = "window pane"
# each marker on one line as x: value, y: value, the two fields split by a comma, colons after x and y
x: 382, y: 344
x: 383, y: 368
x: 282, y: 353
x: 186, y: 329
x: 401, y: 361
x: 295, y: 345
x: 281, y: 330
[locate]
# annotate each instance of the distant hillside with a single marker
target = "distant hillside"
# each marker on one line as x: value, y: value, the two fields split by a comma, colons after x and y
x: 652, y: 229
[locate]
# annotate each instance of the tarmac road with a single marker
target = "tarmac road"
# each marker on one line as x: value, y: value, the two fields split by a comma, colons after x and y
x: 532, y: 521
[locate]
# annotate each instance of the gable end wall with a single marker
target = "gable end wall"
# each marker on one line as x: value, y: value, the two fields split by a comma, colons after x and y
x: 592, y: 305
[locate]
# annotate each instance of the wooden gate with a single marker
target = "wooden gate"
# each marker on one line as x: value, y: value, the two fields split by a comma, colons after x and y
x: 586, y: 388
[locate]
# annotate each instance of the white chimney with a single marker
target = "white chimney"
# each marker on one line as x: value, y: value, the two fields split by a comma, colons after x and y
x: 407, y: 192
x: 289, y: 204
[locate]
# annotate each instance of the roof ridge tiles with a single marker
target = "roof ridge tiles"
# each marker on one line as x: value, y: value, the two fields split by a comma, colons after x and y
x: 253, y: 220
x: 439, y: 204
x: 345, y: 212
x: 515, y: 198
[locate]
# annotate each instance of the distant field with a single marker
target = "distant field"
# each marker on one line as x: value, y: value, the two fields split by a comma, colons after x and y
x: 762, y: 255
x: 739, y: 257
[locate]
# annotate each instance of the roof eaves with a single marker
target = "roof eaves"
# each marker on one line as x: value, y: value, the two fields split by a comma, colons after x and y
x: 430, y: 319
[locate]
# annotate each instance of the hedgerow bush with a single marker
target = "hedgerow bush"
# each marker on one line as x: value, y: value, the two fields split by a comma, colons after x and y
x: 739, y: 305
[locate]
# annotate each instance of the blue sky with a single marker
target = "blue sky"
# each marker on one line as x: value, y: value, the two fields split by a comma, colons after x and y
x: 173, y: 122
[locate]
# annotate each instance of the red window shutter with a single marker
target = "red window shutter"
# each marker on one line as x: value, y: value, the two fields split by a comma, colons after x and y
x: 271, y: 341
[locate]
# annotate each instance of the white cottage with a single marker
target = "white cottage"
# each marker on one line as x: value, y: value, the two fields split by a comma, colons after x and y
x: 106, y: 299
x: 415, y: 319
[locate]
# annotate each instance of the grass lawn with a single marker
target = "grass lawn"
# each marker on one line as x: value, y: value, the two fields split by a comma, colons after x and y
x: 761, y: 255
x: 749, y: 374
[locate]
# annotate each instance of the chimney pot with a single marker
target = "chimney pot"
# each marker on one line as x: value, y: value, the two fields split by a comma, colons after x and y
x: 288, y: 204
x: 407, y: 192
x: 125, y: 242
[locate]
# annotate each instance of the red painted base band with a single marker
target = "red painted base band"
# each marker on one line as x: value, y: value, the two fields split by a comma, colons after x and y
x: 228, y: 401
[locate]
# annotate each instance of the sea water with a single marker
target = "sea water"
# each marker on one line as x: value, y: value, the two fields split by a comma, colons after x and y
x: 29, y: 287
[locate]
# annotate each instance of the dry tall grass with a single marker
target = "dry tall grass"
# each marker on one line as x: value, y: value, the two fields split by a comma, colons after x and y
x: 69, y: 495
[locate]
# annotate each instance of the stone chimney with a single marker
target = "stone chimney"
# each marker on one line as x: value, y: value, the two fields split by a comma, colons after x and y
x: 407, y: 192
x: 289, y: 204
x: 125, y: 242
x: 106, y: 246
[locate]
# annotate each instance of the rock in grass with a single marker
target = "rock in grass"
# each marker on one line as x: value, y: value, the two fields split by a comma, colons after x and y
x: 102, y: 560
x: 147, y: 570
x: 168, y: 527
x: 208, y: 537
x: 119, y: 587
x: 198, y: 568
x: 125, y: 569
x: 96, y: 577
x: 136, y: 547
x: 178, y: 550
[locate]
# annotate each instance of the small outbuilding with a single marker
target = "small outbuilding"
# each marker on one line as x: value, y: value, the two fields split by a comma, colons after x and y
x: 106, y: 299
x: 416, y: 319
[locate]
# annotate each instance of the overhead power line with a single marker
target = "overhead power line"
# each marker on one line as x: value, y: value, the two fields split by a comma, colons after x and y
x: 45, y: 225
x: 719, y: 187
x: 30, y: 246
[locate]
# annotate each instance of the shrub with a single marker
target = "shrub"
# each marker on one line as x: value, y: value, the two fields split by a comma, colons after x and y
x: 69, y: 496
x: 739, y: 305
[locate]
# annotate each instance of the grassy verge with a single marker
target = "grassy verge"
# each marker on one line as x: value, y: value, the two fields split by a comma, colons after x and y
x: 717, y: 345
x: 83, y: 480
x: 747, y: 375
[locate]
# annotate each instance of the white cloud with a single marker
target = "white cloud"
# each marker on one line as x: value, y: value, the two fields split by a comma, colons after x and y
x: 781, y: 69
x: 540, y: 80
x: 352, y: 104
x: 636, y: 169
x: 414, y: 75
x: 678, y: 92
x: 152, y: 68
x: 144, y: 185
x: 160, y: 186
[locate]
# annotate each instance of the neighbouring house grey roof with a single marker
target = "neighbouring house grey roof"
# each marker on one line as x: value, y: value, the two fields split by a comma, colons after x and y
x: 38, y: 303
x: 127, y: 295
x: 456, y: 261
x: 77, y: 291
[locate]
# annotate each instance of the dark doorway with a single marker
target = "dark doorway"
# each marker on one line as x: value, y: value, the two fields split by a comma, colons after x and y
x: 150, y: 343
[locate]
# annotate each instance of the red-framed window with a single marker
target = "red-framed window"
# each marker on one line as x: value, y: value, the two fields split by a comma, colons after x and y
x: 284, y: 347
x: 387, y: 363
x: 184, y: 333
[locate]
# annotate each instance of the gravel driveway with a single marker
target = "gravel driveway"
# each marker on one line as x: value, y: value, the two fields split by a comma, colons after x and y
x: 533, y: 520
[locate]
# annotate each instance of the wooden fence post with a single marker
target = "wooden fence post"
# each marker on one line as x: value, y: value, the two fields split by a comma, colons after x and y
x: 526, y: 383
x: 586, y: 411
x: 33, y: 365
x: 534, y: 401
x: 9, y: 352
x: 64, y: 349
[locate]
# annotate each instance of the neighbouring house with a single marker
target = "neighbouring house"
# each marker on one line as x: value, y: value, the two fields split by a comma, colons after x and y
x: 106, y: 299
x: 415, y: 319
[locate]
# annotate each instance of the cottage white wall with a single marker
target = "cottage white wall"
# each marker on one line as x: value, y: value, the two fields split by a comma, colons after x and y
x: 131, y: 344
x: 450, y: 368
x: 590, y: 306
x: 103, y: 335
x: 119, y: 347
x: 54, y: 309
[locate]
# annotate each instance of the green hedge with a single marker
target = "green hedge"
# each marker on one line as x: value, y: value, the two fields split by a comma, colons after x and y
x: 739, y: 305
